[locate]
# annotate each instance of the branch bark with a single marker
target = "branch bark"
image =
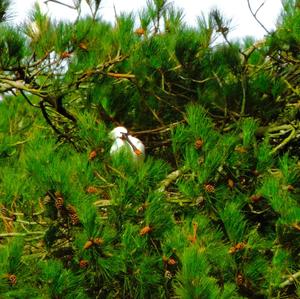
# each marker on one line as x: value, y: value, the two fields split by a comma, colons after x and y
x: 292, y: 279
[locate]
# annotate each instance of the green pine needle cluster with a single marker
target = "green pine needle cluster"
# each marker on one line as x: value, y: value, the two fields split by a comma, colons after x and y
x: 212, y: 212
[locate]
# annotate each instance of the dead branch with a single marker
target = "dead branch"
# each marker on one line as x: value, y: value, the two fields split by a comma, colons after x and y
x: 254, y: 14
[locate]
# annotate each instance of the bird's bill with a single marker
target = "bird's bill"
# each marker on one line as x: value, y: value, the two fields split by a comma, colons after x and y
x: 135, y: 149
x: 137, y: 152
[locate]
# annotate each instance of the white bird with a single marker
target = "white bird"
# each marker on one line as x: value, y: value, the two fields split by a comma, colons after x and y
x: 125, y: 142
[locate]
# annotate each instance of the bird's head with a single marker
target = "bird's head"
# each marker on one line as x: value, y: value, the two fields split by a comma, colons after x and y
x: 118, y: 132
x: 122, y: 133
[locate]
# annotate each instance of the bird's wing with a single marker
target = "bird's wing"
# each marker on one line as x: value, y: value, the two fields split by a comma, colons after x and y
x: 117, y: 145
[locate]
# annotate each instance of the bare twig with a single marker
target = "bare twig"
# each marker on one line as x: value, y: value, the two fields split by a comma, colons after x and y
x: 102, y: 203
x: 61, y: 3
x: 95, y: 10
x: 162, y: 129
x: 244, y: 89
x: 285, y: 141
x: 254, y: 14
x: 27, y: 99
x: 196, y: 81
x: 120, y: 76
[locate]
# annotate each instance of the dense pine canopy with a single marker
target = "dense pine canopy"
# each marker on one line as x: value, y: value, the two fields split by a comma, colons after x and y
x: 212, y: 212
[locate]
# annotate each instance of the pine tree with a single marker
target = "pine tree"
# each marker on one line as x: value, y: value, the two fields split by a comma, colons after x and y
x: 213, y: 212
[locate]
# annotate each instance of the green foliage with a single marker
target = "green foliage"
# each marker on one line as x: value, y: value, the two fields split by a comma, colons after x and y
x: 264, y: 157
x: 233, y: 219
x: 289, y: 22
x: 60, y: 282
x: 11, y: 256
x: 4, y: 5
x: 212, y: 212
x: 199, y: 126
x: 249, y: 128
x: 194, y: 279
x: 188, y: 56
x: 226, y: 59
x: 41, y: 32
x: 173, y: 18
x: 124, y: 32
x: 14, y: 282
x: 11, y: 47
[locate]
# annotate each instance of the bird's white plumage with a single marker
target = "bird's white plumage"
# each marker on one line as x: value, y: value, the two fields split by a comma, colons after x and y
x: 138, y: 144
x: 125, y: 142
x: 117, y: 133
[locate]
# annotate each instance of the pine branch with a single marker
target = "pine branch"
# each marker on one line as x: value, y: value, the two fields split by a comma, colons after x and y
x: 21, y: 234
x: 247, y: 53
x: 120, y: 76
x: 48, y: 120
x: 171, y: 177
x: 61, y: 109
x: 100, y: 69
x: 8, y: 84
x: 292, y: 279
